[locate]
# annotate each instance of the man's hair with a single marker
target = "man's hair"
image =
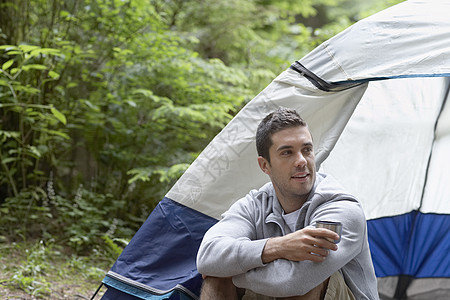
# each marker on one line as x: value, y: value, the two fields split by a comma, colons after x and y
x: 274, y: 122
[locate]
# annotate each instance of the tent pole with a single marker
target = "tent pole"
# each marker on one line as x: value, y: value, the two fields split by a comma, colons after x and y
x: 96, y: 292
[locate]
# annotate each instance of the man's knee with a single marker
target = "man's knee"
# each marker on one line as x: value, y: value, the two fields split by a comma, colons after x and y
x: 215, y: 288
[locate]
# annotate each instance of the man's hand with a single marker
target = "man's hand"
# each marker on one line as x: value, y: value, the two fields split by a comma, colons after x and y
x: 305, y: 244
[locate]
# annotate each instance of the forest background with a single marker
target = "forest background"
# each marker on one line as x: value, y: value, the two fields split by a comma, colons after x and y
x: 104, y: 104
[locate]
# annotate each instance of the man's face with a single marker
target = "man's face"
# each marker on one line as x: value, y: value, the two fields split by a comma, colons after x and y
x: 292, y: 166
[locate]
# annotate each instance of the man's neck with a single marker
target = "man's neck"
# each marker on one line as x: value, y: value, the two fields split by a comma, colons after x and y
x: 291, y: 204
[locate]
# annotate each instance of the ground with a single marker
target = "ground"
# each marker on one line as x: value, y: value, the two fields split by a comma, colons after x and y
x: 36, y: 271
x: 59, y: 291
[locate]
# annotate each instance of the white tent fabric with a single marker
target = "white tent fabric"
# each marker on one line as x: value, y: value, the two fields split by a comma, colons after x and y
x: 388, y: 143
x: 409, y: 39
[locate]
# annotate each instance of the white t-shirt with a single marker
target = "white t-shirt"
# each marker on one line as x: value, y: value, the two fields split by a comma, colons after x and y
x: 291, y: 219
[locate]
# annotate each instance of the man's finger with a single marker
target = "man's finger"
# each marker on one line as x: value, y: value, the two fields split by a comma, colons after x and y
x: 324, y: 234
x: 325, y: 243
x: 320, y: 251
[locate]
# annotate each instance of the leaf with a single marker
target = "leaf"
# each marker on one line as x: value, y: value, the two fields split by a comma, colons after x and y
x: 59, y: 133
x: 140, y: 174
x: 49, y: 51
x: 7, y: 47
x: 34, y: 66
x: 9, y: 159
x: 124, y: 242
x: 26, y: 89
x: 10, y: 134
x: 71, y: 85
x: 13, y: 52
x: 60, y: 116
x: 28, y: 48
x: 131, y: 103
x: 14, y: 71
x: 91, y: 106
x: 34, y: 151
x: 7, y: 64
x: 145, y: 92
x: 53, y: 74
x: 64, y: 13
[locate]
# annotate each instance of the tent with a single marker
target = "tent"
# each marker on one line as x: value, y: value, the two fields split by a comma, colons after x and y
x: 375, y: 97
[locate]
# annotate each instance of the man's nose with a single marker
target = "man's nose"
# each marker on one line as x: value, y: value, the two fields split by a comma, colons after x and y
x: 300, y: 160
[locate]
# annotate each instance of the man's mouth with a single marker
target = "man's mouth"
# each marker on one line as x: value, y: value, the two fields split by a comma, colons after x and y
x: 300, y: 176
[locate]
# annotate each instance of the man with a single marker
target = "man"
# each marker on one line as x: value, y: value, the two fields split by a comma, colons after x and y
x: 267, y: 243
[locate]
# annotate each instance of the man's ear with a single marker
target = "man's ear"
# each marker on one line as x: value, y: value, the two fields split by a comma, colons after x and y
x: 264, y: 165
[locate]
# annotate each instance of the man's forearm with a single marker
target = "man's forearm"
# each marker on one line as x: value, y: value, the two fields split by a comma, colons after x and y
x: 283, y: 278
x: 229, y: 257
x: 271, y: 250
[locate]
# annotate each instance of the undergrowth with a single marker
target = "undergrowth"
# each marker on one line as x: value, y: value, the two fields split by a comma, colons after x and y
x: 53, y: 245
x: 44, y: 270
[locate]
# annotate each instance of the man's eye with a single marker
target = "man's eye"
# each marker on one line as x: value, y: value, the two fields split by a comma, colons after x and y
x: 309, y: 150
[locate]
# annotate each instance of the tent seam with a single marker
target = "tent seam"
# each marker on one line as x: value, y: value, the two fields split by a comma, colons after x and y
x: 431, y: 151
x: 334, y: 60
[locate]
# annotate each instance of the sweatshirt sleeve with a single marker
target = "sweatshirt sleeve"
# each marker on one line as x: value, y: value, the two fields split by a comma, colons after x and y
x: 283, y: 278
x: 230, y: 247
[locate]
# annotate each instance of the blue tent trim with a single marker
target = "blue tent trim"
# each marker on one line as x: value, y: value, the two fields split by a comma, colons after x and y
x: 125, y: 290
x: 162, y: 254
x: 121, y: 290
x: 413, y: 244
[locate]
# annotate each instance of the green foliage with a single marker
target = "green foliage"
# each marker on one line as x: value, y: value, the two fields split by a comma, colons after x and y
x: 107, y: 92
x: 45, y: 270
x: 30, y: 275
x: 29, y: 130
x: 80, y: 222
x: 113, y: 246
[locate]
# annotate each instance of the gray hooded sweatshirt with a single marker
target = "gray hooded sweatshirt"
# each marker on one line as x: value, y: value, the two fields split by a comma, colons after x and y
x: 233, y: 247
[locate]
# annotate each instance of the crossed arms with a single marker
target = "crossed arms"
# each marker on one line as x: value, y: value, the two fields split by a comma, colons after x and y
x: 279, y: 265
